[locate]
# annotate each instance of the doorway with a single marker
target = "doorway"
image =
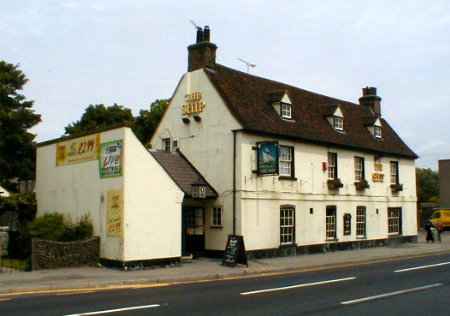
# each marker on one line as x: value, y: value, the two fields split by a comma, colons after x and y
x: 193, y: 231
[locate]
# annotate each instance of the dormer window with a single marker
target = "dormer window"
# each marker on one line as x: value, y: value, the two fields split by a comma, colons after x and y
x: 377, y: 132
x: 338, y: 123
x: 285, y: 110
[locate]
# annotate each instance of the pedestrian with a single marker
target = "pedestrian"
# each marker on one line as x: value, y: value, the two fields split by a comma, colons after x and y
x: 428, y: 226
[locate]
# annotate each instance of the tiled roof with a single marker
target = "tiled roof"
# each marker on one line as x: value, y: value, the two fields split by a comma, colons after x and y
x: 182, y: 172
x: 248, y: 98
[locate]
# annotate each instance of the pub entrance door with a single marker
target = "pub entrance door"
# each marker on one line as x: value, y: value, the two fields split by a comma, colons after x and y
x: 193, y: 231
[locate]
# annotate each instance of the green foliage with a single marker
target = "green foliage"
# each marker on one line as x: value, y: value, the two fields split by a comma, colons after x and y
x: 53, y: 226
x: 16, y: 118
x: 24, y: 205
x: 100, y: 116
x: 427, y: 185
x: 147, y: 121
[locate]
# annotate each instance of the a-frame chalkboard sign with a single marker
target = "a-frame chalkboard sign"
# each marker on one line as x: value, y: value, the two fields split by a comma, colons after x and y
x: 234, y: 251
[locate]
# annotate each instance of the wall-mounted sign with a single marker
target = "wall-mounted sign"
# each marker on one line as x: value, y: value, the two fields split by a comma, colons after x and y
x: 114, y: 213
x: 267, y: 153
x: 194, y: 104
x: 110, y: 162
x: 378, y: 175
x: 78, y: 150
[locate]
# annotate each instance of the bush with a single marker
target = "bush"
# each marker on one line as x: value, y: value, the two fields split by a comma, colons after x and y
x: 53, y: 227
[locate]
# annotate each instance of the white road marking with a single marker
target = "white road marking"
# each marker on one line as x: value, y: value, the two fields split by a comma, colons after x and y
x: 423, y: 267
x: 116, y: 310
x: 376, y: 297
x: 298, y: 286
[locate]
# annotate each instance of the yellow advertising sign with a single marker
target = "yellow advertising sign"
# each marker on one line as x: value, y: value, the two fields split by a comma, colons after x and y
x: 378, y: 177
x: 114, y: 213
x: 194, y: 103
x: 78, y: 150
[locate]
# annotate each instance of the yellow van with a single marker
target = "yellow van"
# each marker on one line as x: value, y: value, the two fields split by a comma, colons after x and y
x: 441, y: 219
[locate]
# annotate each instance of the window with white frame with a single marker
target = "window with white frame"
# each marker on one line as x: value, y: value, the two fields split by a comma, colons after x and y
x: 331, y: 223
x: 332, y: 166
x: 216, y: 217
x: 287, y: 225
x: 394, y: 172
x: 286, y: 158
x: 361, y: 222
x: 166, y: 144
x: 359, y: 169
x: 394, y: 220
x: 286, y: 110
x: 338, y: 123
x: 377, y: 132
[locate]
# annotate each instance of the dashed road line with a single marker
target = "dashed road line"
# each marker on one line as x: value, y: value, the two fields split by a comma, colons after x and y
x: 423, y: 267
x: 116, y: 310
x: 298, y: 286
x: 380, y: 296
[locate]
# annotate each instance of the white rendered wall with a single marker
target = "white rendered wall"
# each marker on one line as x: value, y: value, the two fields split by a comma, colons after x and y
x: 262, y: 196
x: 76, y: 190
x: 152, y: 206
x: 207, y: 144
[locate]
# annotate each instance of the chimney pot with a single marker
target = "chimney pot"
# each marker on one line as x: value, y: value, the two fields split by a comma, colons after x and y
x: 206, y: 33
x: 199, y: 35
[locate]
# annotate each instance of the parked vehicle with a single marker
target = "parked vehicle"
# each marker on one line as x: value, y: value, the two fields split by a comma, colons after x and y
x: 441, y: 219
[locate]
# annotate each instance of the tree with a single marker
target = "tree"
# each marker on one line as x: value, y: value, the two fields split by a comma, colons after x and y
x: 16, y: 118
x: 427, y: 185
x: 147, y: 121
x: 99, y: 116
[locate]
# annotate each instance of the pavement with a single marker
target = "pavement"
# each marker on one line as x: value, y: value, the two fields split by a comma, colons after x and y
x: 413, y: 287
x: 206, y: 269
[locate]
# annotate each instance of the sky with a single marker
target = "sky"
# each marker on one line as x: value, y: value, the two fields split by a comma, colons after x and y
x: 77, y: 53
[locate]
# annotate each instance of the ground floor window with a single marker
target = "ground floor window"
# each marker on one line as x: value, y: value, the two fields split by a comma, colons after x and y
x: 216, y: 219
x: 361, y: 222
x: 331, y: 223
x: 287, y: 225
x: 394, y: 220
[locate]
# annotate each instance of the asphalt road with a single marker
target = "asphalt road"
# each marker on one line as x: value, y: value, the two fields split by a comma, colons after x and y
x: 375, y: 289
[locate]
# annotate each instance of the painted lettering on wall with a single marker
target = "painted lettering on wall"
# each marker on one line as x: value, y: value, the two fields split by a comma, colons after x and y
x: 110, y: 162
x: 78, y: 150
x: 114, y: 213
x: 378, y: 175
x: 194, y: 104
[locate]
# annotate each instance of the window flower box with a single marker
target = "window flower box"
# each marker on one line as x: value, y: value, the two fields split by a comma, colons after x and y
x: 396, y: 188
x: 362, y: 185
x: 334, y: 184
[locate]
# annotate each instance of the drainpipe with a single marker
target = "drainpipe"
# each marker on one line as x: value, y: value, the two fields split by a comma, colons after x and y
x: 234, y: 182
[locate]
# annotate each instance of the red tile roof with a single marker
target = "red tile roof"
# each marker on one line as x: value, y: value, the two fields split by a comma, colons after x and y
x: 249, y: 99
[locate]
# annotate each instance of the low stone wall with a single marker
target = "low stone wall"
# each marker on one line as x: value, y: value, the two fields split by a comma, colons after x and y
x: 4, y: 239
x: 46, y: 254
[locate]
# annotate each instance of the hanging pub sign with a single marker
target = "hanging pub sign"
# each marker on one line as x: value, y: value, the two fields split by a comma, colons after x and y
x: 78, y: 150
x: 234, y: 251
x: 194, y: 104
x: 110, y: 162
x: 378, y: 175
x: 267, y: 157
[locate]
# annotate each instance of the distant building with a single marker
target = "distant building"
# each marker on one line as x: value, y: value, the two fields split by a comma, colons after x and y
x: 444, y: 179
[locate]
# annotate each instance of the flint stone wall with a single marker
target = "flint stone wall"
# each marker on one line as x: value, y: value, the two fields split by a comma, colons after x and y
x: 48, y: 254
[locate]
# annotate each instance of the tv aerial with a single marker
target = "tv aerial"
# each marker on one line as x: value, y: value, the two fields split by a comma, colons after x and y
x: 195, y: 24
x: 247, y: 63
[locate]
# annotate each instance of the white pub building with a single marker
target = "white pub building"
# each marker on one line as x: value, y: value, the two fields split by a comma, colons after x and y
x: 290, y: 170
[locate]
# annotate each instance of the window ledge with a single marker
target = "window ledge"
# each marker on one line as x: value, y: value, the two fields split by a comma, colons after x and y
x: 332, y: 240
x: 361, y: 237
x: 287, y: 178
x: 216, y: 226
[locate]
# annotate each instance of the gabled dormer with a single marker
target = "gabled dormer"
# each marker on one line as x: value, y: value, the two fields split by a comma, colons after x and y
x: 376, y: 129
x: 336, y: 119
x: 282, y: 104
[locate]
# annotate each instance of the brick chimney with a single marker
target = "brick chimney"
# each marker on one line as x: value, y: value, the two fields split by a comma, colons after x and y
x: 371, y: 99
x: 203, y: 52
